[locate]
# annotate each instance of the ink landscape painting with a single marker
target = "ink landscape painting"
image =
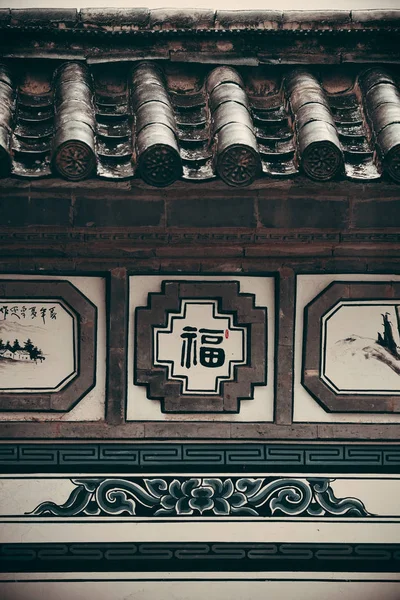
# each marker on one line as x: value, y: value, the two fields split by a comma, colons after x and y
x: 37, y: 346
x: 361, y: 348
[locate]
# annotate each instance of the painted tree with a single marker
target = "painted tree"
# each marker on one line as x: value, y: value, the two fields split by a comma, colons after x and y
x: 36, y: 353
x: 28, y: 345
x: 16, y: 346
x: 387, y: 339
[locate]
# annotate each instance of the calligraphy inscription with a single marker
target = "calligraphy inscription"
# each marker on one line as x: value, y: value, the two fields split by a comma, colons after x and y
x: 200, y: 347
x: 27, y: 312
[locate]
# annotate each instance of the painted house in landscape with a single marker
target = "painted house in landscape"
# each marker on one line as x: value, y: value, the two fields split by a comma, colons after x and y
x: 21, y: 355
x: 25, y: 352
x: 200, y: 231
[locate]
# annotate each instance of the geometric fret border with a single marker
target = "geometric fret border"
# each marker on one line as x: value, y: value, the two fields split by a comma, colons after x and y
x: 210, y: 457
x: 198, y: 556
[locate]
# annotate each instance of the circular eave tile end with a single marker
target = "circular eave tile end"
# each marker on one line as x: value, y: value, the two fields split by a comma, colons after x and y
x: 322, y: 160
x: 74, y: 160
x: 238, y: 165
x: 160, y: 165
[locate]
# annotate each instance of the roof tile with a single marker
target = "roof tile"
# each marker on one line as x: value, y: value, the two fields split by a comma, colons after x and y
x: 382, y: 104
x: 375, y: 18
x: 248, y: 19
x: 315, y: 19
x: 5, y: 15
x: 175, y: 18
x: 74, y: 142
x: 110, y: 17
x: 172, y: 19
x: 159, y: 161
x: 162, y: 123
x: 7, y: 109
x: 319, y: 149
x: 39, y: 16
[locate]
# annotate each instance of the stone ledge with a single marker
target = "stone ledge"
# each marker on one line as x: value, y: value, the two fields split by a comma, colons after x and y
x: 110, y: 19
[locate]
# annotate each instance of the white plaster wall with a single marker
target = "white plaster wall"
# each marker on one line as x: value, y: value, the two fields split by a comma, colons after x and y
x: 327, y: 589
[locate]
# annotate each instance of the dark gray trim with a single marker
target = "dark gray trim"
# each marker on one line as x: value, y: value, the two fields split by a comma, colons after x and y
x: 285, y: 310
x: 153, y: 236
x: 208, y: 457
x: 196, y: 556
x: 117, y: 344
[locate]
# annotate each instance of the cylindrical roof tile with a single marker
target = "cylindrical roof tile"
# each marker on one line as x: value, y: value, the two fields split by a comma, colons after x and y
x: 73, y: 154
x: 319, y: 149
x: 7, y: 108
x: 382, y: 105
x: 157, y: 148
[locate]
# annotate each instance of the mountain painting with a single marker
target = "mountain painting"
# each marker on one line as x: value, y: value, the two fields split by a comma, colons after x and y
x: 361, y: 351
x: 37, y: 346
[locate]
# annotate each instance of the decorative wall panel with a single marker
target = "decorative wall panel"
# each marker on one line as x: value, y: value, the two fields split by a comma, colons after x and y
x: 347, y: 348
x: 201, y: 345
x: 352, y: 347
x: 52, y: 347
x: 91, y: 497
x: 263, y: 515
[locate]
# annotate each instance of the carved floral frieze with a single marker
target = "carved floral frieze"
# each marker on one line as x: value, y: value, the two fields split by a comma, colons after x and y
x: 203, y: 496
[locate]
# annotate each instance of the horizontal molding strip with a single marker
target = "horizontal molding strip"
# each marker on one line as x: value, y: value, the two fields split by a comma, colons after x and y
x: 162, y: 237
x: 195, y: 556
x: 182, y: 457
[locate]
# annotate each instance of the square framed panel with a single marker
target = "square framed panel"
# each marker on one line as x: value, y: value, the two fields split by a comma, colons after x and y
x: 201, y: 348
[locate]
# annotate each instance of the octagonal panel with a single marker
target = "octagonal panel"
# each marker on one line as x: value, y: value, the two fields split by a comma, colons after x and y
x: 361, y: 348
x: 47, y: 345
x: 32, y: 357
x: 351, y: 360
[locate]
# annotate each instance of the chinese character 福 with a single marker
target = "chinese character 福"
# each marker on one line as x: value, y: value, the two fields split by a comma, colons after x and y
x: 209, y: 356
